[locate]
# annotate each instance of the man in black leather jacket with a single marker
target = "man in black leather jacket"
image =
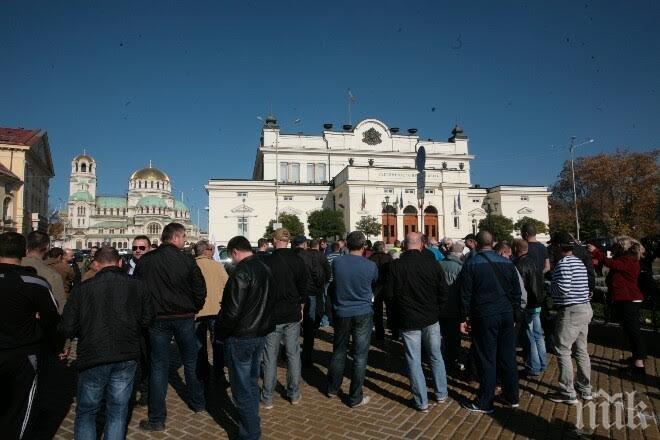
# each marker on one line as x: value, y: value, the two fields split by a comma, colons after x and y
x: 178, y: 292
x: 244, y: 320
x: 536, y: 356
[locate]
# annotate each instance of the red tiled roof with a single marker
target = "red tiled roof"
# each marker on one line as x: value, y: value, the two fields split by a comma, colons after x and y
x: 4, y: 171
x: 18, y: 136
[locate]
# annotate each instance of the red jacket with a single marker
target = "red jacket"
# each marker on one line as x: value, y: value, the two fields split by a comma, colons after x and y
x: 622, y: 279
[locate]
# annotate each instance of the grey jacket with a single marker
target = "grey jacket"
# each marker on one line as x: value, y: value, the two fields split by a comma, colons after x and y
x: 452, y: 266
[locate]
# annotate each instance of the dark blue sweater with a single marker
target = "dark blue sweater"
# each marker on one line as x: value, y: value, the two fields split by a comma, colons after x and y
x: 481, y: 293
x: 351, y: 291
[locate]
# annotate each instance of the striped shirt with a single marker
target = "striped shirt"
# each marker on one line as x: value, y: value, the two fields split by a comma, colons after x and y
x: 570, y: 284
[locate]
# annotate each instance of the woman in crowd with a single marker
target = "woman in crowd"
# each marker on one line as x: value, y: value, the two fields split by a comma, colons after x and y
x: 622, y: 283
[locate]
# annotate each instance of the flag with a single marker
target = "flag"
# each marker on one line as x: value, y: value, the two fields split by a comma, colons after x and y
x: 455, y: 210
x: 350, y: 96
x: 401, y: 200
x: 364, y: 200
x: 459, y: 200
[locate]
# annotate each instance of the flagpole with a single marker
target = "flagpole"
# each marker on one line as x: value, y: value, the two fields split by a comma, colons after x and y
x: 349, y: 107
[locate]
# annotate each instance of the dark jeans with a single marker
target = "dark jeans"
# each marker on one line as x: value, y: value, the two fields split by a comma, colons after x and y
x: 379, y: 303
x: 160, y: 336
x: 311, y: 322
x: 112, y: 382
x: 360, y: 328
x: 494, y: 340
x: 203, y: 326
x: 451, y: 341
x: 243, y: 357
x: 628, y: 314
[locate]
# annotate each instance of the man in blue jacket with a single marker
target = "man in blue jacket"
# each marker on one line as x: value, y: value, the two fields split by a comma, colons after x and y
x: 489, y: 291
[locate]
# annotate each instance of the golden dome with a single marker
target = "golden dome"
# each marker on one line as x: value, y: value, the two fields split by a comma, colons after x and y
x: 149, y: 173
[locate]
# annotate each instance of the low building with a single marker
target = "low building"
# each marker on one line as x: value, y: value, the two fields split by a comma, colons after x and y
x: 365, y: 170
x: 94, y: 220
x: 25, y: 155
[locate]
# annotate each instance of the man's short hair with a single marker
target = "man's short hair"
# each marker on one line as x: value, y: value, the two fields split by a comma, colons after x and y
x: 355, y: 241
x: 170, y: 230
x: 262, y: 242
x: 336, y: 246
x: 484, y: 238
x: 106, y: 255
x: 313, y: 243
x: 379, y: 246
x: 501, y: 245
x: 201, y: 246
x: 457, y: 247
x: 37, y: 241
x: 142, y: 237
x: 397, y: 243
x: 520, y: 245
x: 12, y: 245
x: 239, y: 243
x: 528, y: 230
x: 55, y: 252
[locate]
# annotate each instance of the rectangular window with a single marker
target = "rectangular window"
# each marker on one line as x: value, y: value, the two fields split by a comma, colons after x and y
x: 112, y: 231
x: 319, y: 197
x: 320, y: 173
x: 388, y: 190
x: 241, y: 194
x: 457, y: 222
x: 409, y: 191
x: 476, y: 200
x: 288, y: 197
x: 524, y: 198
x: 243, y: 226
x: 295, y: 172
x: 429, y: 191
x: 284, y: 172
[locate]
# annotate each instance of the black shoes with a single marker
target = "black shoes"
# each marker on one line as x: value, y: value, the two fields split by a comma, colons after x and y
x: 146, y: 425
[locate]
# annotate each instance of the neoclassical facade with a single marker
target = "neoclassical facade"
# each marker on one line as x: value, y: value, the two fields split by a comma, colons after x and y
x: 148, y: 206
x: 365, y: 170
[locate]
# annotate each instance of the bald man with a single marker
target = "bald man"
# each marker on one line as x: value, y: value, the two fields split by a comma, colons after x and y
x: 417, y: 287
x: 489, y: 292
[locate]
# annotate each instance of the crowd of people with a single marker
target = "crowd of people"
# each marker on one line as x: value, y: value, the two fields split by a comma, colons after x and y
x: 427, y: 295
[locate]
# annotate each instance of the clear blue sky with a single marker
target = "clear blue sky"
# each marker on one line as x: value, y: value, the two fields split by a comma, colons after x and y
x: 181, y: 83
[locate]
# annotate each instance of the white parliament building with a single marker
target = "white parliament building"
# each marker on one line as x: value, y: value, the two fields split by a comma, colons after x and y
x: 364, y: 170
x: 94, y: 220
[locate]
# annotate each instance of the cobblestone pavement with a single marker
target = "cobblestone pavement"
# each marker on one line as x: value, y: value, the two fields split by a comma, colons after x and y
x: 389, y: 414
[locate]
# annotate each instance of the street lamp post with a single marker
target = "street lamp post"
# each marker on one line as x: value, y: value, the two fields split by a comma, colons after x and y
x: 572, y: 148
x: 386, y: 204
x: 488, y: 212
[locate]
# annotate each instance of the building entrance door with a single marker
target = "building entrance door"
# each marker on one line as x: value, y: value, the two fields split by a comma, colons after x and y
x: 431, y: 222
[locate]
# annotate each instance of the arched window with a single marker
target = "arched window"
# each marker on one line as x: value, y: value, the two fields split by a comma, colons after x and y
x: 140, y: 184
x: 83, y: 168
x: 7, y: 208
x: 153, y: 228
x: 157, y: 185
x: 76, y: 167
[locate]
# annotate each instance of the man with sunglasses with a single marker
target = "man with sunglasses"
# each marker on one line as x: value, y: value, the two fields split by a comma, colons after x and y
x: 141, y: 245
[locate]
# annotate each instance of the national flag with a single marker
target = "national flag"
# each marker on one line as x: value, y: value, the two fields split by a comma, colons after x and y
x: 455, y: 210
x: 459, y: 200
x: 350, y: 96
x: 401, y: 200
x: 364, y: 200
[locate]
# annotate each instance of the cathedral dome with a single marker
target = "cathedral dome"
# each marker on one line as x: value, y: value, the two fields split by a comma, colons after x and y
x: 150, y: 173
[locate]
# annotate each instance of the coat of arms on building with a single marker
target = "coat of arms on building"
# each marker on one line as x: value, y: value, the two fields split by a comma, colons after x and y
x: 371, y: 137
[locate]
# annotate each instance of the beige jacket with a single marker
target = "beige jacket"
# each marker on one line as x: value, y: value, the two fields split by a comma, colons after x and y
x: 65, y: 271
x: 52, y: 276
x: 215, y: 277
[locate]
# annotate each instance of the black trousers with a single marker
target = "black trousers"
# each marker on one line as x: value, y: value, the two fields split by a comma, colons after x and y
x: 494, y: 340
x: 381, y: 303
x: 311, y: 322
x: 451, y: 340
x: 18, y: 386
x: 628, y: 314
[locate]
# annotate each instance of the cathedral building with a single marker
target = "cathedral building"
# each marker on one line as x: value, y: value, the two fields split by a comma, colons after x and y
x: 94, y: 220
x: 364, y: 170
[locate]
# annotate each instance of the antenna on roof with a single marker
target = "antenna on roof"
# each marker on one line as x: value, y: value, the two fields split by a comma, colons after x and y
x: 149, y: 163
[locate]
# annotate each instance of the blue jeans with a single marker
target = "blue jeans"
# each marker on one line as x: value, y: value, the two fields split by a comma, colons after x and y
x: 160, y: 336
x: 360, y: 327
x: 112, y: 382
x: 290, y: 333
x: 202, y: 326
x: 413, y: 340
x: 536, y: 361
x: 243, y: 357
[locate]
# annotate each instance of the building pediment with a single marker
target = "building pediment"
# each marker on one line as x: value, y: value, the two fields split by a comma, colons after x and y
x: 477, y: 211
x: 242, y: 208
x: 525, y: 210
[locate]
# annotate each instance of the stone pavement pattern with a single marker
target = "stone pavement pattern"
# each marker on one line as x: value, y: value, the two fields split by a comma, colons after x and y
x: 389, y: 414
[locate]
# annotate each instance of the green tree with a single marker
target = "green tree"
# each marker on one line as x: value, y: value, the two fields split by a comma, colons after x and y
x: 290, y: 222
x: 324, y: 223
x: 368, y: 225
x: 541, y: 228
x: 501, y: 227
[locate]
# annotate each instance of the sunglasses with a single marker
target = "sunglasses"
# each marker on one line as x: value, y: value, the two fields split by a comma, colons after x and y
x: 142, y: 248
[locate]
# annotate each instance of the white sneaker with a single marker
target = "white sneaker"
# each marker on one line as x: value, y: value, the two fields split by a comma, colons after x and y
x: 365, y: 400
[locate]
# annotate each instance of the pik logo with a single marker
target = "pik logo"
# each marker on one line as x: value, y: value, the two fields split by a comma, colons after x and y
x: 618, y: 411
